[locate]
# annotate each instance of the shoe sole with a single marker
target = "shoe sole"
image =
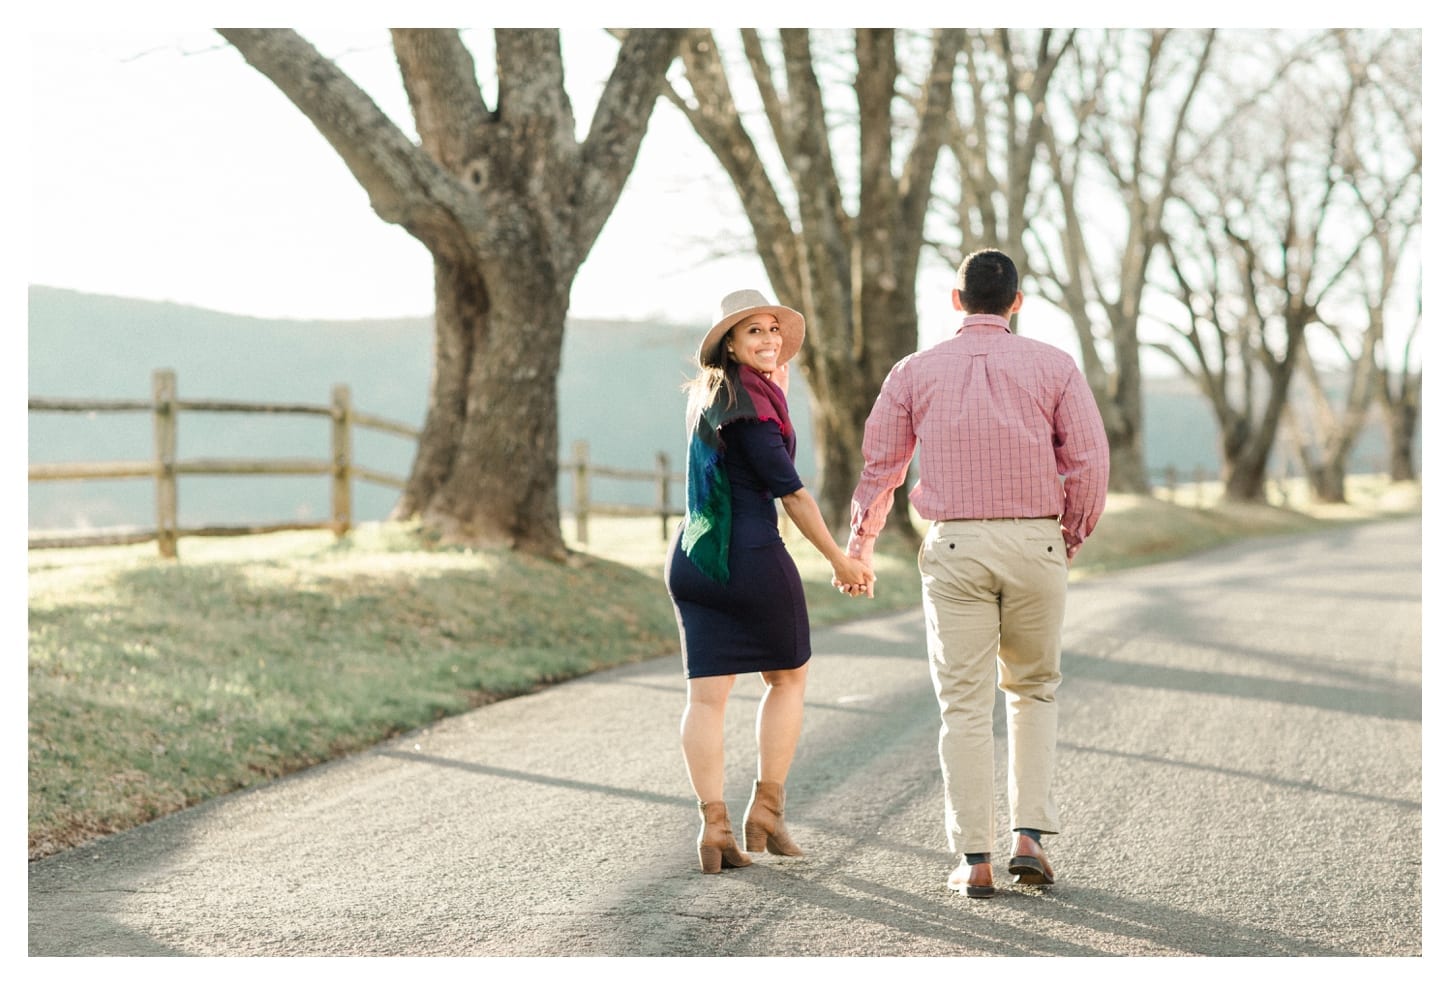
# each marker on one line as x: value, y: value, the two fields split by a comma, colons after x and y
x: 973, y: 892
x: 1029, y: 871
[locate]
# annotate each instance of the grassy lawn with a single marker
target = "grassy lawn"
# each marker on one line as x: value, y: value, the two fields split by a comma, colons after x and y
x: 155, y: 685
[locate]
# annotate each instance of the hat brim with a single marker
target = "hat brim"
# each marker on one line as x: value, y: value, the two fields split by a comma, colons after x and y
x: 792, y: 331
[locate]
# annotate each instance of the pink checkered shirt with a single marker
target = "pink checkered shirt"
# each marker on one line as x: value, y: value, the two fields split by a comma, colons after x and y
x: 1007, y: 426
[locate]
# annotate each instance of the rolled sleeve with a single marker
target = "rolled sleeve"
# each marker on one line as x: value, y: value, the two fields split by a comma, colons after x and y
x: 763, y: 445
x: 887, y: 445
x: 1082, y: 460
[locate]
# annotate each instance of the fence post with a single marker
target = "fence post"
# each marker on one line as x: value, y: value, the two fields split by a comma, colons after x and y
x: 1170, y: 479
x: 341, y: 459
x: 662, y: 462
x: 1198, y: 480
x: 581, y: 491
x: 163, y: 416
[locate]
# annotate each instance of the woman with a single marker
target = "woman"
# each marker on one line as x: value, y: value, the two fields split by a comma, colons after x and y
x: 737, y: 593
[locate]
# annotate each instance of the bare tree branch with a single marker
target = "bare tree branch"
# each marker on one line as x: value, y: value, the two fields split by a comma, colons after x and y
x: 404, y: 184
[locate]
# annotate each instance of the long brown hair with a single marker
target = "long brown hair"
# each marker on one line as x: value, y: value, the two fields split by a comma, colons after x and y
x: 712, y: 375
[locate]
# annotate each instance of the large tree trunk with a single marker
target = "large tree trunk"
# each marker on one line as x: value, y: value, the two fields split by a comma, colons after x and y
x: 1326, y: 439
x: 1401, y: 407
x: 487, y: 463
x: 1244, y: 479
x: 1326, y: 482
x: 1325, y: 463
x: 1128, y: 468
x: 1246, y: 459
x: 460, y: 327
x: 508, y: 202
x: 1399, y: 393
x: 1403, y: 422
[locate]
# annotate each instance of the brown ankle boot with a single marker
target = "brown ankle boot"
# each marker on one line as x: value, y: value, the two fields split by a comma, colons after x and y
x: 765, y: 821
x: 717, y: 841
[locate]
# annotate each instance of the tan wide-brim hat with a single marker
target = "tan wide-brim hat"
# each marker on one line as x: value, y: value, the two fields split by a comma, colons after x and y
x: 737, y: 306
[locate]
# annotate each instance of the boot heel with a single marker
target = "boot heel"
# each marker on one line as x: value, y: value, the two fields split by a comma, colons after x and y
x: 709, y: 860
x: 755, y: 837
x: 765, y: 821
x: 717, y: 842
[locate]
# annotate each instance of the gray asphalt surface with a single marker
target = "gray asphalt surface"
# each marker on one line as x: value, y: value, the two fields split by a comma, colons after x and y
x: 1240, y: 774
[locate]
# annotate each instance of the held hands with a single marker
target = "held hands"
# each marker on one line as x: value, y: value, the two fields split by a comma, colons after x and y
x: 854, y: 577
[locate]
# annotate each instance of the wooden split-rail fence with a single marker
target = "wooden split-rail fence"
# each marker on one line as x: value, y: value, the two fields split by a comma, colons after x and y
x: 164, y: 468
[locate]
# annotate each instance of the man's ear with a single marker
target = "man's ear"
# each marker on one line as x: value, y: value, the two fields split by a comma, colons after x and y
x: 957, y: 300
x: 1016, y: 305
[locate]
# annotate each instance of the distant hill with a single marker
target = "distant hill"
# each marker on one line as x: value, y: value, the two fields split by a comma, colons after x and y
x: 86, y: 345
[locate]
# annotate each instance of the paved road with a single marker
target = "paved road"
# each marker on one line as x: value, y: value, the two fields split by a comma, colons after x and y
x: 1240, y: 775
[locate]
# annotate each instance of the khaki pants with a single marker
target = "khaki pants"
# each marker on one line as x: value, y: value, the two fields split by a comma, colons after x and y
x: 994, y: 593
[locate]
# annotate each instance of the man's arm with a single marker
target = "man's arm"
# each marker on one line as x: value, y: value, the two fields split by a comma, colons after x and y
x: 1082, y: 460
x: 888, y: 442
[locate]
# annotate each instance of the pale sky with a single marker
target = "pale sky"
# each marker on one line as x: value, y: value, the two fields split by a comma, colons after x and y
x: 163, y: 167
x: 167, y: 168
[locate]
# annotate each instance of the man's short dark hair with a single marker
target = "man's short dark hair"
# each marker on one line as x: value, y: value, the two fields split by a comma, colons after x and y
x: 987, y: 282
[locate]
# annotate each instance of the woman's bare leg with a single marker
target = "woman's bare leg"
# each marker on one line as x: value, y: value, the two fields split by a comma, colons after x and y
x: 702, y: 735
x: 778, y: 722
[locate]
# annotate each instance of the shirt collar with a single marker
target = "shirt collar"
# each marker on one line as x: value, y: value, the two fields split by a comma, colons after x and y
x: 985, y: 322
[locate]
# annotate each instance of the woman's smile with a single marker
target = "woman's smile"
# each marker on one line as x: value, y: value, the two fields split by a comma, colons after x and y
x: 756, y: 343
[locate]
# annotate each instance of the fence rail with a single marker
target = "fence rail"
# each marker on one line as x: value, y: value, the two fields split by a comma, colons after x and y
x: 1172, y: 479
x: 662, y: 477
x: 1198, y: 485
x: 164, y: 468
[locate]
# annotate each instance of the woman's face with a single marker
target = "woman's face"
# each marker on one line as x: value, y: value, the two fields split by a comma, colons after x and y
x: 756, y: 343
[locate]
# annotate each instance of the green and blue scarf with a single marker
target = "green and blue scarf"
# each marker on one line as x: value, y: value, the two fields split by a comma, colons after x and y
x: 706, y: 537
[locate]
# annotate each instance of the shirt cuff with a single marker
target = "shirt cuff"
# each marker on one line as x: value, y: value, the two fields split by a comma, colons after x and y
x: 861, y: 546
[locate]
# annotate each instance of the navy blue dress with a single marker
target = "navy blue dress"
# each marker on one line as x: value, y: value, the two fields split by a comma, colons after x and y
x: 757, y: 621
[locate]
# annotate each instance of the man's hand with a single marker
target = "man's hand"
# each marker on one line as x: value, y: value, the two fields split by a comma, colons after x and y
x: 866, y: 585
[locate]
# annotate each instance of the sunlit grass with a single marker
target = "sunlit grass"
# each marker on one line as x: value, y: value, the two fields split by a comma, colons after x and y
x: 154, y: 685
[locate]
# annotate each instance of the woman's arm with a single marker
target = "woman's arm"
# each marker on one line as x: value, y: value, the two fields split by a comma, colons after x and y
x: 853, y: 573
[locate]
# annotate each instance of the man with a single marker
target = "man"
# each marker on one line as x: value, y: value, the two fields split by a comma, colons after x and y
x: 1013, y: 477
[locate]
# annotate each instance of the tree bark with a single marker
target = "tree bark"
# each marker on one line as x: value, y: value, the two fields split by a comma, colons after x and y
x: 1399, y: 394
x: 509, y: 203
x: 1214, y: 327
x: 854, y: 277
x: 1379, y: 151
x: 1005, y: 88
x: 1293, y: 243
x: 1324, y: 438
x: 1404, y: 421
x: 1141, y: 160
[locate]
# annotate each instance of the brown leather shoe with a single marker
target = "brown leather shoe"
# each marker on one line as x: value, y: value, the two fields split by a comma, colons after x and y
x: 1029, y: 865
x: 974, y: 881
